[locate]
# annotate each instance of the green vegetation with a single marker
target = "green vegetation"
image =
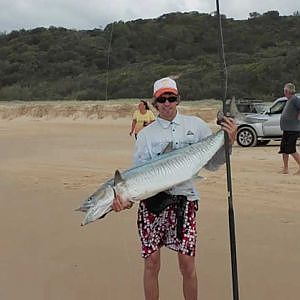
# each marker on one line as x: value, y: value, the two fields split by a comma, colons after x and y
x: 53, y: 63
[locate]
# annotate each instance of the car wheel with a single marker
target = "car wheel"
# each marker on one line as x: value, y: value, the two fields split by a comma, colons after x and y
x: 246, y: 137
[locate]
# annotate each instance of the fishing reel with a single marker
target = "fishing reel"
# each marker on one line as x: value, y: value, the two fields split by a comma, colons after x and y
x: 231, y: 111
x: 220, y: 116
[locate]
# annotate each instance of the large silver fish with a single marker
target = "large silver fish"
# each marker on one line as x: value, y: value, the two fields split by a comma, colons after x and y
x: 146, y: 180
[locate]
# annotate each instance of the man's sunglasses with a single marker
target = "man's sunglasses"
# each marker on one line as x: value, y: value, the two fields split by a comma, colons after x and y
x: 164, y: 99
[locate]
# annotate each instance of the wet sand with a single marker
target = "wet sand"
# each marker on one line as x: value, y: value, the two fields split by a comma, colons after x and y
x: 48, y: 166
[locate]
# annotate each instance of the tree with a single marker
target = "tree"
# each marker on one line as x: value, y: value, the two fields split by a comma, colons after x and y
x: 254, y: 15
x: 58, y: 63
x: 274, y: 14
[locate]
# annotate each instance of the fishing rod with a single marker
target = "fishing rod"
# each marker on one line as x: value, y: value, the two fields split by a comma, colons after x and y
x: 234, y: 272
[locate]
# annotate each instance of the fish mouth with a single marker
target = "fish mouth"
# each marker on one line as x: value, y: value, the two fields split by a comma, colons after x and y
x: 92, y: 199
x: 98, y: 204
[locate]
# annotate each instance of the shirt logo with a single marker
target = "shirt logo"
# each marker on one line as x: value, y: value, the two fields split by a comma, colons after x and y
x: 190, y: 133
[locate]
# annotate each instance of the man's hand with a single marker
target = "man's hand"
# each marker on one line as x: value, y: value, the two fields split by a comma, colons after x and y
x: 228, y: 125
x: 120, y: 204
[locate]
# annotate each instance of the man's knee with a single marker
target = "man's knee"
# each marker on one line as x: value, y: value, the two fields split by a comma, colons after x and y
x: 152, y: 263
x: 187, y: 265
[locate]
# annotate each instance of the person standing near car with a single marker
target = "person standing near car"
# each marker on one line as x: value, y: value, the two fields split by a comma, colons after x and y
x: 290, y: 125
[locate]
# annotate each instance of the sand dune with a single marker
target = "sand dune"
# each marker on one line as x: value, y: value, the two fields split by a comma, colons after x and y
x: 93, y: 110
x: 53, y: 156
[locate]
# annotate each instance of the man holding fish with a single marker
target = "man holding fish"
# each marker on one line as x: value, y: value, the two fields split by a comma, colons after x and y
x: 169, y: 218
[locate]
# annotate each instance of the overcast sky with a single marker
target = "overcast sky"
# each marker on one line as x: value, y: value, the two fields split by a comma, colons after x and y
x: 90, y: 14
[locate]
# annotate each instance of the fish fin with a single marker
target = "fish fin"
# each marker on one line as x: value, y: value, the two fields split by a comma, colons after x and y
x: 234, y: 111
x: 198, y: 177
x: 118, y: 178
x: 168, y: 148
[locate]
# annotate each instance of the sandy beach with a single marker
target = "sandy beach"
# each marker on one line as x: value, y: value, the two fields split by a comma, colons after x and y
x: 49, y: 163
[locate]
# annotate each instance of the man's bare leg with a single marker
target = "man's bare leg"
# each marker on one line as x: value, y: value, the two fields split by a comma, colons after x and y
x: 296, y: 157
x: 151, y: 270
x: 285, y: 159
x: 189, y: 275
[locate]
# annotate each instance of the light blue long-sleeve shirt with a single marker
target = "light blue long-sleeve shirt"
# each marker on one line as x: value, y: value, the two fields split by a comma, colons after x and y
x: 181, y: 131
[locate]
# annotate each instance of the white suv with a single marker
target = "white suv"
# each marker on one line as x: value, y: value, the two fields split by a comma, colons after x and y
x: 259, y: 129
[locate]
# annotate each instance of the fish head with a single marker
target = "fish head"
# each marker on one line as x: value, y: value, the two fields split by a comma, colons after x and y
x: 99, y: 204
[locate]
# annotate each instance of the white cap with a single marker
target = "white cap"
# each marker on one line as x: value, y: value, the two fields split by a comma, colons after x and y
x: 164, y: 85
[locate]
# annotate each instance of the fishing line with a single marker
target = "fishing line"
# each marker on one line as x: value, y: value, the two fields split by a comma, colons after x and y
x: 234, y: 272
x: 124, y: 240
x: 131, y: 276
x: 108, y: 60
x: 222, y: 54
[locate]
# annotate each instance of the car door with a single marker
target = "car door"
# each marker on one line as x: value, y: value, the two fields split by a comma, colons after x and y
x: 271, y: 127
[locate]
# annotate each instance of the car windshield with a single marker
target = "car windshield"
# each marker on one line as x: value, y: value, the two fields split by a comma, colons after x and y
x: 249, y: 108
x: 260, y: 107
x: 278, y: 107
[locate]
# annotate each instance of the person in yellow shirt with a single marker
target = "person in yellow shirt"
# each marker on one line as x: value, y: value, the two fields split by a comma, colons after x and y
x: 142, y: 117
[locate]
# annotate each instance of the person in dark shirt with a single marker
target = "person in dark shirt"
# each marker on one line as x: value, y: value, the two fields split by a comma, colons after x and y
x: 290, y: 125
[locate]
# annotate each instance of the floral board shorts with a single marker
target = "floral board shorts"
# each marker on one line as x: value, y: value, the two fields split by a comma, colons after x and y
x: 157, y: 231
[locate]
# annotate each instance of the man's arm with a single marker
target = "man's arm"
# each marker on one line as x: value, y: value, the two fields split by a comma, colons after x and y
x: 297, y: 103
x: 141, y: 151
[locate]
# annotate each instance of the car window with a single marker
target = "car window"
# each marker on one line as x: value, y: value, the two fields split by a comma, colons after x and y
x: 260, y: 107
x: 278, y: 107
x: 251, y: 107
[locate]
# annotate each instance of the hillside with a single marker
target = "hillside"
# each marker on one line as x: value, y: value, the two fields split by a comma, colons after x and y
x: 53, y: 63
